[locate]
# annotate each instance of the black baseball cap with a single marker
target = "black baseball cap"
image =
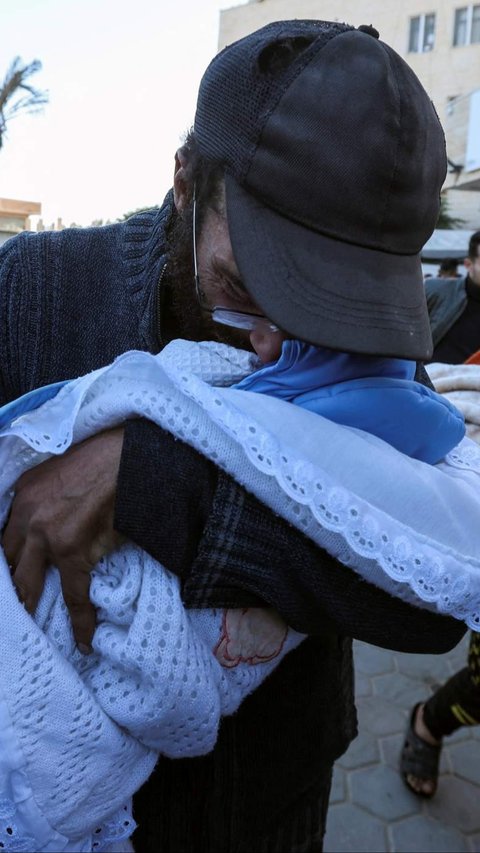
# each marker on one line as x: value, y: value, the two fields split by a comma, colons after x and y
x: 333, y: 171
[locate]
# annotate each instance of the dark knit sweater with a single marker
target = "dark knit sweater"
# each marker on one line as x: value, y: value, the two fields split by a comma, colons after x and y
x: 72, y: 301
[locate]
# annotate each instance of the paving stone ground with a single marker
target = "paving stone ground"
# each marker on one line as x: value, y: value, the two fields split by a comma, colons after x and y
x: 370, y: 807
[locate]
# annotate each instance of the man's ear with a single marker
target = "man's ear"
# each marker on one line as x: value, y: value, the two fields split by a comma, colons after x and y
x: 467, y: 263
x: 181, y: 184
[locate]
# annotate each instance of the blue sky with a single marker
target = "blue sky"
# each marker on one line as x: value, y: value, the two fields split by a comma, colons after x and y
x: 122, y: 77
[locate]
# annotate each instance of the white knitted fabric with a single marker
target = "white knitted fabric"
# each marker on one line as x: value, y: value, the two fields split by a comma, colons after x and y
x: 82, y: 734
x: 78, y: 735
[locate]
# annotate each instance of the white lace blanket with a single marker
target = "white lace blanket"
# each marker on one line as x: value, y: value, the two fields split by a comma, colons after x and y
x: 79, y: 735
x: 409, y: 527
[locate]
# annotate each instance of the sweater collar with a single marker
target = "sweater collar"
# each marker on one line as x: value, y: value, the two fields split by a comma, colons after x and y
x: 144, y: 256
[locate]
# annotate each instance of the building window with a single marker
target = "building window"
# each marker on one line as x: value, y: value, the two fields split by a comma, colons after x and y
x: 475, y: 25
x: 422, y: 34
x: 466, y: 28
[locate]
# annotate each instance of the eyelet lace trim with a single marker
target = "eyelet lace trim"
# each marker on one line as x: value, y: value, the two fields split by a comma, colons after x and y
x: 118, y: 828
x: 13, y: 839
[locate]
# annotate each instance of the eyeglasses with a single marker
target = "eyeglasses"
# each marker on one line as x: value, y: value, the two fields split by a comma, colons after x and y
x: 238, y: 319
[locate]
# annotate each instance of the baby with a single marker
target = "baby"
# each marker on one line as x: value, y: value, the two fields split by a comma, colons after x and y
x: 160, y: 677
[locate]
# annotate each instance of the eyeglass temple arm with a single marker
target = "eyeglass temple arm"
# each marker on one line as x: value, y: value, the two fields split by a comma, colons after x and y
x: 194, y: 236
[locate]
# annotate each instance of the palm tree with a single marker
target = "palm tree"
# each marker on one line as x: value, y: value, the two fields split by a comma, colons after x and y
x: 17, y: 95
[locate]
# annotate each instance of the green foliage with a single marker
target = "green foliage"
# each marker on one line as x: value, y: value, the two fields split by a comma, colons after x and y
x: 445, y: 219
x: 17, y: 95
x: 133, y: 212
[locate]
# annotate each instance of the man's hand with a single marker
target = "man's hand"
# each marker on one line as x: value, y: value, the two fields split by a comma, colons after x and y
x: 62, y: 515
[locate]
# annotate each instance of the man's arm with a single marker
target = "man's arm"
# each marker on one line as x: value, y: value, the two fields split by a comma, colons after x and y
x: 228, y: 548
x: 238, y: 553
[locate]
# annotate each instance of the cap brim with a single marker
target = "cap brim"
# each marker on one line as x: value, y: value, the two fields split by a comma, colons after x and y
x: 326, y: 291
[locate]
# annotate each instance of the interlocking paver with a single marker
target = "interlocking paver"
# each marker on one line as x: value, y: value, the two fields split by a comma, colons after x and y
x: 465, y: 733
x: 351, y: 830
x: 399, y: 689
x: 422, y: 833
x: 371, y: 809
x: 338, y: 792
x: 363, y: 685
x: 380, y: 791
x: 428, y: 669
x: 457, y: 804
x: 465, y: 761
x: 390, y: 750
x: 373, y: 661
x: 363, y: 751
x: 457, y: 658
x: 379, y: 717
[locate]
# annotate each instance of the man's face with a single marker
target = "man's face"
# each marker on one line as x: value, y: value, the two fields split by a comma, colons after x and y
x: 222, y: 286
x: 218, y: 273
x: 473, y: 267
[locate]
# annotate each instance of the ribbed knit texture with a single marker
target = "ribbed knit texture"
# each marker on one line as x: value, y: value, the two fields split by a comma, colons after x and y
x: 189, y: 503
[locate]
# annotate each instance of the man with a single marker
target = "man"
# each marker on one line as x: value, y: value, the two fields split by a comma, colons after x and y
x: 454, y: 310
x: 448, y: 268
x: 301, y: 128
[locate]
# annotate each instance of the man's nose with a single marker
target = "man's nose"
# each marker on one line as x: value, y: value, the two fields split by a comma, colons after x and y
x: 267, y: 344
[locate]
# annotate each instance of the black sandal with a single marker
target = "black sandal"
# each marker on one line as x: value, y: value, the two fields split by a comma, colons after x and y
x: 420, y: 759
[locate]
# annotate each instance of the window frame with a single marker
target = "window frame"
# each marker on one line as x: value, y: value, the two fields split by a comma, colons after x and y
x: 421, y: 46
x: 470, y: 10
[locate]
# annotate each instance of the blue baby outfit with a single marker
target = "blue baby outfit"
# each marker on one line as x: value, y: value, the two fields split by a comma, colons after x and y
x: 28, y: 402
x: 378, y: 395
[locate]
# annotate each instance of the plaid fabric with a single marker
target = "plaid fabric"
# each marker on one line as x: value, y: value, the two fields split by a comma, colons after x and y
x: 248, y: 556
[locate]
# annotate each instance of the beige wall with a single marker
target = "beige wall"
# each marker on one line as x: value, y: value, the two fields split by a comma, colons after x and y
x: 447, y: 72
x: 14, y: 216
x: 15, y: 207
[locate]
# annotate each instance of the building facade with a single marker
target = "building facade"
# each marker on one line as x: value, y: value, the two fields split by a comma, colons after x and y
x: 15, y: 216
x: 440, y: 41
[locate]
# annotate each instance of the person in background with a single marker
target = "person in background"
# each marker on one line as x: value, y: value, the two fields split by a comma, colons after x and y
x: 448, y: 268
x: 454, y: 310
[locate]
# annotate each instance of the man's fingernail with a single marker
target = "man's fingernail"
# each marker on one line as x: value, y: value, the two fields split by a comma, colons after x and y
x: 84, y: 649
